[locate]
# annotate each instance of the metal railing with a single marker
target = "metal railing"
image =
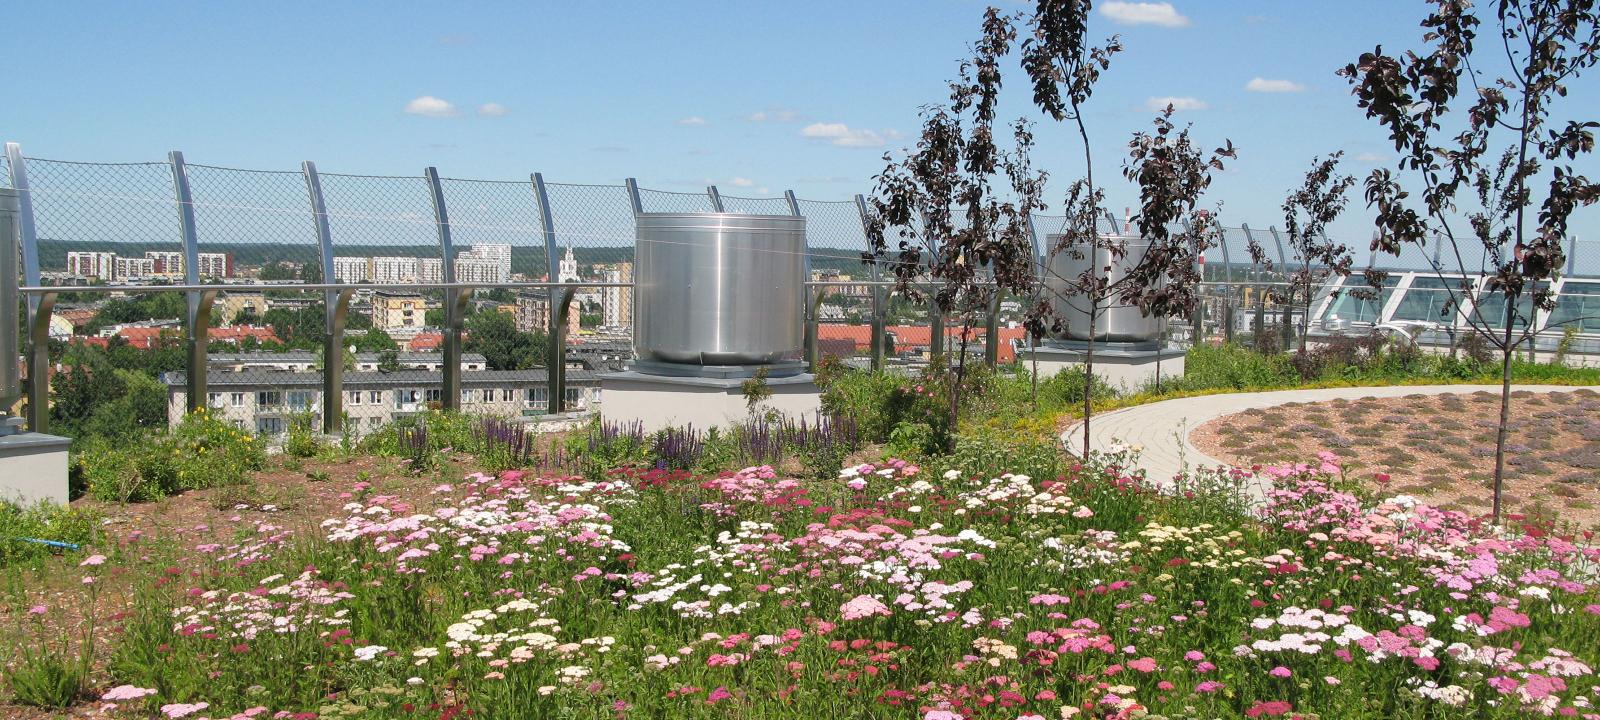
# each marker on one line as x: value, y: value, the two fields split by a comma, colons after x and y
x: 331, y: 235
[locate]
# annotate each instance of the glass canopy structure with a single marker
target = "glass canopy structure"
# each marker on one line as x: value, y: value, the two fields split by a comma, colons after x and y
x: 1425, y: 299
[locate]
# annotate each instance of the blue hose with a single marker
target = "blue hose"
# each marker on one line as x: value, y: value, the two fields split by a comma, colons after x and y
x: 51, y: 543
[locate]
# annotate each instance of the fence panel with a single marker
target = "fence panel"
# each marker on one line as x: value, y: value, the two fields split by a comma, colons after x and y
x: 499, y: 221
x: 387, y: 219
x: 663, y: 201
x: 126, y: 208
x: 255, y: 219
x: 755, y: 206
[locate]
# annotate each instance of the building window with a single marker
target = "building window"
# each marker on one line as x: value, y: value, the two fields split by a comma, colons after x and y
x: 405, y: 397
x: 302, y: 399
x: 572, y: 395
x: 268, y: 398
x: 355, y: 397
x: 237, y: 399
x: 505, y: 395
x: 374, y: 421
x: 214, y: 400
x: 538, y: 397
x: 434, y: 395
x: 374, y: 397
x: 269, y: 426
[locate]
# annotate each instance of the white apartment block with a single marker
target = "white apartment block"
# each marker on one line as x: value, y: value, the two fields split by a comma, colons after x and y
x: 167, y: 262
x: 214, y: 265
x: 478, y: 270
x: 263, y: 401
x: 91, y: 264
x: 430, y: 270
x: 127, y: 268
x: 616, y: 303
x: 394, y: 269
x: 352, y: 269
x: 497, y: 255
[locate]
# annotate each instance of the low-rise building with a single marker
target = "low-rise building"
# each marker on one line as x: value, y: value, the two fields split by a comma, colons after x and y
x: 263, y: 402
x: 399, y: 310
x: 306, y: 361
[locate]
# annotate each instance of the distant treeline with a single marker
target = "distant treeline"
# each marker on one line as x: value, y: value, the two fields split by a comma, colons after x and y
x: 525, y: 259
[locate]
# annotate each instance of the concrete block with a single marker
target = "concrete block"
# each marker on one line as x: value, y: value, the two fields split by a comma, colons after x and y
x: 1125, y: 367
x: 33, y: 468
x: 662, y: 401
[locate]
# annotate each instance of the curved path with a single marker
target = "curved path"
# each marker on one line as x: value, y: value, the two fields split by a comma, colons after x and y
x: 1162, y: 428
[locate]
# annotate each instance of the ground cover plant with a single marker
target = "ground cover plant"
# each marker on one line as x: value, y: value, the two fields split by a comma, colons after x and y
x: 1438, y: 447
x: 885, y: 590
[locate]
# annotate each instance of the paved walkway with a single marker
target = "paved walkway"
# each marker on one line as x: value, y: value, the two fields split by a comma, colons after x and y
x: 1162, y: 428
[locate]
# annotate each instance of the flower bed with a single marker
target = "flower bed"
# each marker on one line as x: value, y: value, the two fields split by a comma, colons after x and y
x: 885, y: 592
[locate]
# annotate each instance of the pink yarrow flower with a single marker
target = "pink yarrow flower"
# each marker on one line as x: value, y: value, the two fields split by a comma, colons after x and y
x: 863, y: 606
x: 127, y: 692
x: 178, y: 710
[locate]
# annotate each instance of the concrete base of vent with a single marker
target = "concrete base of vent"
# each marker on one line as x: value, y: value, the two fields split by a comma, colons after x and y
x: 661, y: 401
x: 1120, y: 364
x: 33, y: 469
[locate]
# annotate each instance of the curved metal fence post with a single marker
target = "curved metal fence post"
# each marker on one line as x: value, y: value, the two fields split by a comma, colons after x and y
x: 556, y: 353
x: 879, y: 300
x: 335, y: 306
x: 633, y: 196
x: 333, y: 362
x: 199, y: 342
x: 557, y: 372
x: 451, y: 399
x: 716, y: 198
x: 27, y: 236
x: 10, y: 381
x: 199, y: 324
x: 39, y: 365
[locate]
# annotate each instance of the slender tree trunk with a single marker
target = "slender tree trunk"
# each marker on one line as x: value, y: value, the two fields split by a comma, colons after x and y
x: 1505, y: 414
x: 1088, y: 376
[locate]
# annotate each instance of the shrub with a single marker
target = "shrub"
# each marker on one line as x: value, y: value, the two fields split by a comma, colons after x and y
x: 302, y: 439
x: 19, y: 527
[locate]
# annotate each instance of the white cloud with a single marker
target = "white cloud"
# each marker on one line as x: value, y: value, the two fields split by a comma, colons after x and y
x: 430, y: 106
x: 845, y: 136
x: 742, y: 182
x: 694, y: 120
x: 493, y: 110
x: 1158, y: 104
x: 775, y: 114
x: 1263, y: 85
x: 1143, y: 13
x: 1371, y: 157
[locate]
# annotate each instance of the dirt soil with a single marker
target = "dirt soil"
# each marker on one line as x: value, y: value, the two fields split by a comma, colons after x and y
x: 1438, y: 447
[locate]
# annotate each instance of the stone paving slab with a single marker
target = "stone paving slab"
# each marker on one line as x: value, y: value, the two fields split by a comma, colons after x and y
x: 1161, y: 429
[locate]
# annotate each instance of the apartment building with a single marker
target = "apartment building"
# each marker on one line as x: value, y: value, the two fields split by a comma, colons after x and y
x: 352, y: 269
x: 91, y: 264
x: 306, y: 361
x: 263, y: 401
x: 399, y: 310
x: 616, y: 303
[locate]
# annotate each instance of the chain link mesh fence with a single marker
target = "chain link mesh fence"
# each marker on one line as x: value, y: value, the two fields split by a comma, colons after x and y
x: 121, y: 224
x: 756, y: 206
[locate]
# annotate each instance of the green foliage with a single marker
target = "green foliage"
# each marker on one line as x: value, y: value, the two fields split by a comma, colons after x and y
x: 202, y: 452
x: 881, y: 401
x: 495, y: 335
x: 47, y: 680
x: 44, y: 521
x: 302, y: 440
x: 756, y: 390
x: 986, y: 454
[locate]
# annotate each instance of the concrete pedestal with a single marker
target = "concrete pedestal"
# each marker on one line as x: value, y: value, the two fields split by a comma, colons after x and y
x: 1123, y: 365
x: 33, y: 469
x: 663, y: 401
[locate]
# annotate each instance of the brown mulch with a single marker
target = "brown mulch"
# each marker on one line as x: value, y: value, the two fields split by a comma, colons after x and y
x: 1439, y: 448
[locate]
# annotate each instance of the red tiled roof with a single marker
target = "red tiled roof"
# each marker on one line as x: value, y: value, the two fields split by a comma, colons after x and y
x: 145, y: 338
x: 423, y: 342
x: 917, y: 336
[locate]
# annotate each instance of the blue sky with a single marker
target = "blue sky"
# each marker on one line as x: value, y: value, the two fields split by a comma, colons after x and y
x: 756, y: 97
